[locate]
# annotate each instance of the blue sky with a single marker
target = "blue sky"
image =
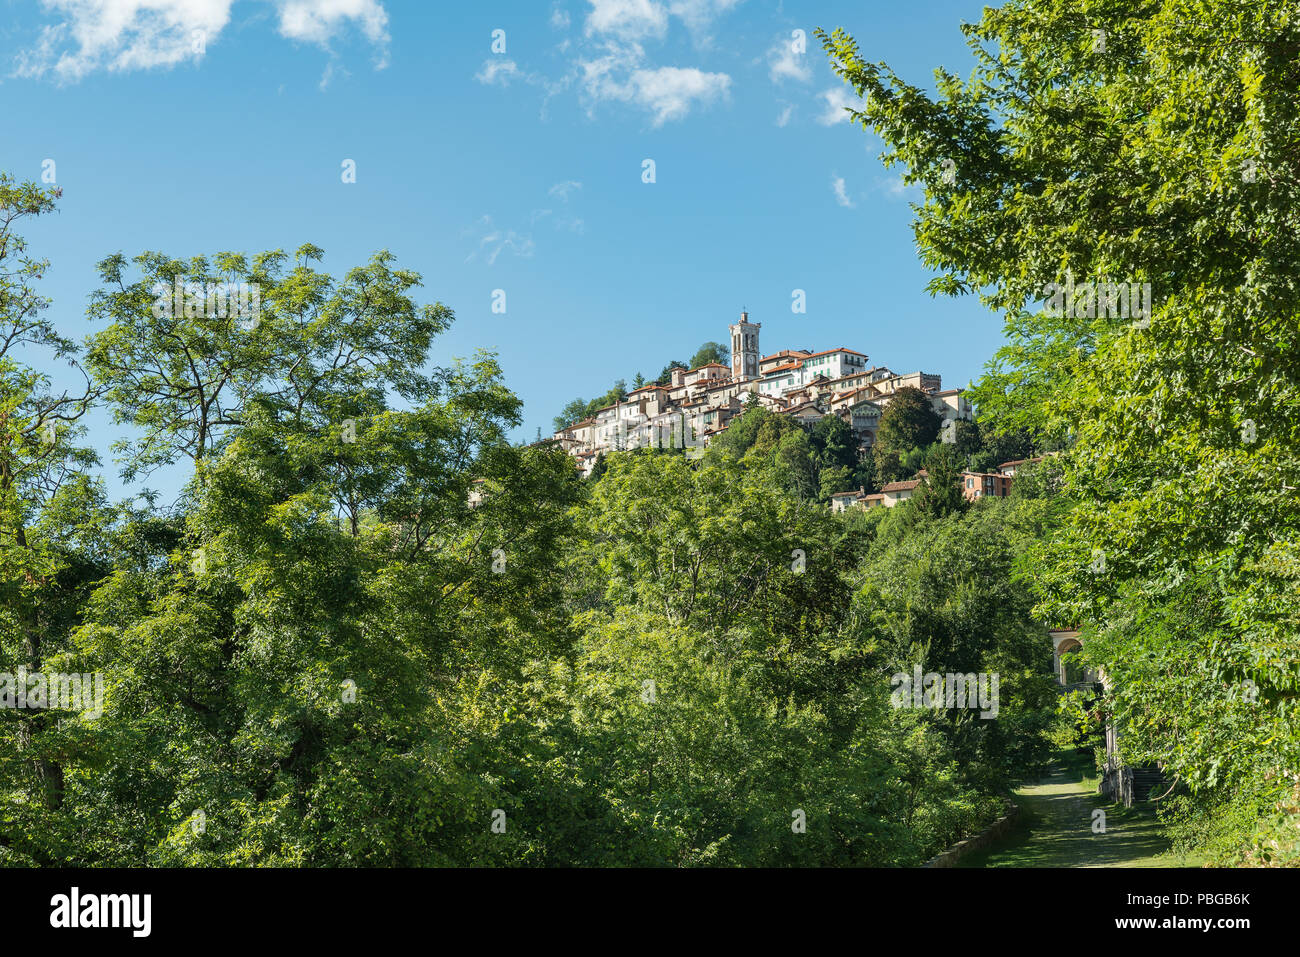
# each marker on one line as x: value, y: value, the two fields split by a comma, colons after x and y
x: 518, y: 170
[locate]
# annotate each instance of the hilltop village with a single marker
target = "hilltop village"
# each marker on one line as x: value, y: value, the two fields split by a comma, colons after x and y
x: 696, y: 405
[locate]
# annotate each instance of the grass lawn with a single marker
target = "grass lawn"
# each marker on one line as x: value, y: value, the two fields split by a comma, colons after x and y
x: 1055, y: 827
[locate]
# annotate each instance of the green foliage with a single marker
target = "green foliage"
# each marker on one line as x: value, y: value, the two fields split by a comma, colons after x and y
x: 909, y: 421
x: 810, y: 462
x: 908, y: 424
x: 711, y: 352
x: 1163, y: 159
x: 372, y: 626
x: 573, y: 411
x: 52, y: 539
x: 665, y: 376
x: 950, y: 595
x: 940, y: 493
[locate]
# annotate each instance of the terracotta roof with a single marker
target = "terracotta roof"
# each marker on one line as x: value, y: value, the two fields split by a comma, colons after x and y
x: 826, y: 352
x: 842, y: 396
x: 1037, y: 458
x: 900, y: 486
x: 801, y: 406
x: 788, y: 365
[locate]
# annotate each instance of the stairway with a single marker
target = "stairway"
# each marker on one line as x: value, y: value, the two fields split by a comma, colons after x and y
x: 1128, y: 785
x: 1147, y: 782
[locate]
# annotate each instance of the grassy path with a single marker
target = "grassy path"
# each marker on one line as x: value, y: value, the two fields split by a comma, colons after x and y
x: 1055, y: 828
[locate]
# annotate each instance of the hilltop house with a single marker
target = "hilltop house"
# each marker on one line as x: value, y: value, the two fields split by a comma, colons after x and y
x: 696, y: 405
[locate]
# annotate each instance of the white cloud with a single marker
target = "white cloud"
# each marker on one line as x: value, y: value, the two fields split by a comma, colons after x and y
x: 125, y: 35
x: 610, y: 64
x: 698, y: 15
x: 320, y: 21
x: 122, y: 35
x: 784, y: 118
x: 495, y: 241
x: 837, y: 98
x: 643, y: 19
x: 563, y: 190
x: 841, y: 194
x: 573, y: 224
x: 328, y: 74
x: 784, y: 64
x: 498, y: 71
x: 669, y: 91
x: 492, y: 241
x: 627, y: 19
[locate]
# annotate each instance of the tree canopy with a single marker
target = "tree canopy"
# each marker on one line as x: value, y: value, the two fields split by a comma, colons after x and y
x: 1125, y: 150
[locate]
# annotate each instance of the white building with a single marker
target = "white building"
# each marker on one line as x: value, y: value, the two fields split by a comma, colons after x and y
x: 803, y: 370
x: 697, y: 404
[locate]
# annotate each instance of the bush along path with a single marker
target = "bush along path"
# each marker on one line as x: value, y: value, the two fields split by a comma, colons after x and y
x: 1058, y: 827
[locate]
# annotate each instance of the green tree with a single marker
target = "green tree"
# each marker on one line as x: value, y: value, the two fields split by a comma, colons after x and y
x: 304, y: 654
x: 184, y: 378
x: 665, y: 377
x: 940, y: 492
x: 1070, y: 167
x: 52, y: 529
x: 574, y: 411
x: 711, y: 352
x: 908, y: 423
x: 968, y: 438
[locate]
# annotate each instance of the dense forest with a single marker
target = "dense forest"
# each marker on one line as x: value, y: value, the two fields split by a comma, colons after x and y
x: 328, y: 652
x: 325, y: 654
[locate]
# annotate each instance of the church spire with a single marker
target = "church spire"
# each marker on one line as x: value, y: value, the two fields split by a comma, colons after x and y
x: 744, y: 347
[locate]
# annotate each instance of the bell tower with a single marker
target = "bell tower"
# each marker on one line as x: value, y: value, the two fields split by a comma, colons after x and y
x: 744, y: 348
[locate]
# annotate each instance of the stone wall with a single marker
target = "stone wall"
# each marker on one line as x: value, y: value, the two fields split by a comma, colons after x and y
x: 980, y: 841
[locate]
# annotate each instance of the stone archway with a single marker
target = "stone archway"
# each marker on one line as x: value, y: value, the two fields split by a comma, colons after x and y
x: 1069, y: 672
